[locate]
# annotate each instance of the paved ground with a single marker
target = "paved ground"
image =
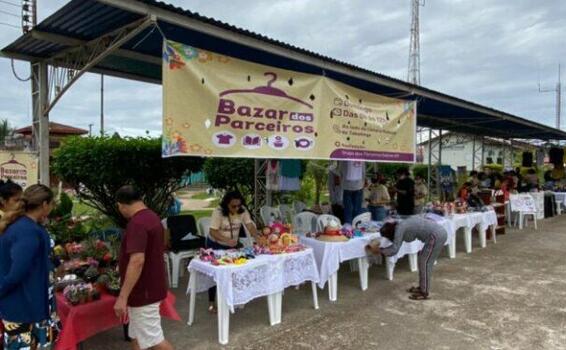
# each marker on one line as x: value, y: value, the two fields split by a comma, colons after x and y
x: 511, y: 295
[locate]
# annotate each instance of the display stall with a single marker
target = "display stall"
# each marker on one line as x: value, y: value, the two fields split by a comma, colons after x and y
x: 244, y: 275
x: 83, y: 321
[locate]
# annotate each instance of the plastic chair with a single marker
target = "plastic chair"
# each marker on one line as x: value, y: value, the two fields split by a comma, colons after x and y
x: 287, y: 212
x: 324, y: 220
x: 270, y: 214
x: 180, y: 226
x: 299, y: 207
x: 523, y: 205
x: 364, y: 217
x: 304, y: 222
x: 203, y: 226
x: 538, y: 198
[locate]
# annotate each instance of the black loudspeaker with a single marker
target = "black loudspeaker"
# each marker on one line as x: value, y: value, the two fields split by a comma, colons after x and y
x: 556, y: 155
x: 527, y: 159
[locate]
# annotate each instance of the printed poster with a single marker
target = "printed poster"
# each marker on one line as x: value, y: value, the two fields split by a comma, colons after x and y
x: 20, y: 167
x: 220, y: 106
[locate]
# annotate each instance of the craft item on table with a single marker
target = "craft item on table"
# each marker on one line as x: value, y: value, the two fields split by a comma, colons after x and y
x: 332, y: 234
x: 277, y: 237
x: 461, y: 207
x: 347, y: 231
x: 373, y: 247
x: 226, y: 257
x: 367, y: 227
x: 81, y: 293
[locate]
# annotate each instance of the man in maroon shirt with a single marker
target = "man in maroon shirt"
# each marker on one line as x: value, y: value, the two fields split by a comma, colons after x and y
x: 142, y: 272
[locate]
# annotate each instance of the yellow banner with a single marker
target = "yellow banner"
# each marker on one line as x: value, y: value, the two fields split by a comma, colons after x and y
x: 220, y: 106
x: 20, y: 167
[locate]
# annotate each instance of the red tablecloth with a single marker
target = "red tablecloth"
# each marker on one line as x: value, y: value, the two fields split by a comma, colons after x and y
x: 83, y: 321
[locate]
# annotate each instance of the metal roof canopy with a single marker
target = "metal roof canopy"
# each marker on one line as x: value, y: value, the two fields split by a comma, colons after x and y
x: 78, y: 30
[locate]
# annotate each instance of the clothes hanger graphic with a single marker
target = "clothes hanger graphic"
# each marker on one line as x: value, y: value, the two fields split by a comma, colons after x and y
x: 266, y: 90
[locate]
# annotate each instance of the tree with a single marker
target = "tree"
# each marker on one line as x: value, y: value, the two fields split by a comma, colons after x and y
x: 97, y: 167
x: 318, y: 170
x: 231, y: 174
x: 5, y: 130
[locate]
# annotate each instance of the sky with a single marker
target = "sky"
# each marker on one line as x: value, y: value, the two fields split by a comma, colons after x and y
x: 493, y: 53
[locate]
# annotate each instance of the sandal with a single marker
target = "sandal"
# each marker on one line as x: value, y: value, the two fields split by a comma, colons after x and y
x: 418, y: 296
x: 414, y: 290
x: 212, y: 309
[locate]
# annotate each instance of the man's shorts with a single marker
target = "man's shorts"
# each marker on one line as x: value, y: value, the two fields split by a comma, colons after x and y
x: 145, y: 325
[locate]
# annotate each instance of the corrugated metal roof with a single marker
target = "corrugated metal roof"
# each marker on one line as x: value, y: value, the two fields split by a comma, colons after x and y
x: 89, y: 19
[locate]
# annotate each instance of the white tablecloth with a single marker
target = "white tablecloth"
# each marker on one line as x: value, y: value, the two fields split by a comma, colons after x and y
x: 329, y: 255
x: 471, y: 220
x: 259, y: 277
x: 560, y: 197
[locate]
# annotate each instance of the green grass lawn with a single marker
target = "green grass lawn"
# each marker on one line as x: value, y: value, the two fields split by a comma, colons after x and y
x: 201, y: 196
x: 198, y: 213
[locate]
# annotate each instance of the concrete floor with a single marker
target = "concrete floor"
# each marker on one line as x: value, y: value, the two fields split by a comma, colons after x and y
x: 511, y: 295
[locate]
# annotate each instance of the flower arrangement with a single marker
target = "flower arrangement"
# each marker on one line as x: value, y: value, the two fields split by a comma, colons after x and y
x: 81, y: 293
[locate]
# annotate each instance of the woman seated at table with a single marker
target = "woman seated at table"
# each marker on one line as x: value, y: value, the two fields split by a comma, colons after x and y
x: 26, y: 304
x: 225, y: 226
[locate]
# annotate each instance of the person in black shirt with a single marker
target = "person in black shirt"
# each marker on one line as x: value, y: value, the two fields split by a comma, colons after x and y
x: 405, y: 189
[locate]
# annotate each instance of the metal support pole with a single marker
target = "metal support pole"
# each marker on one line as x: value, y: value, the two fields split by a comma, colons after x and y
x: 101, y: 104
x: 40, y: 127
x: 482, y: 153
x: 438, y: 187
x: 474, y: 153
x: 429, y: 170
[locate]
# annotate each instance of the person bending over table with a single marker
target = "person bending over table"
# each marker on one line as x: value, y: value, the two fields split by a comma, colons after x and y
x: 417, y: 227
x: 225, y: 225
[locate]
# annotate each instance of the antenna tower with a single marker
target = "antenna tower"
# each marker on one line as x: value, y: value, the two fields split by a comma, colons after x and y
x: 414, y: 73
x: 558, y: 91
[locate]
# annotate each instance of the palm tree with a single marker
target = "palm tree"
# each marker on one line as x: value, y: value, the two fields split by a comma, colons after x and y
x: 5, y: 130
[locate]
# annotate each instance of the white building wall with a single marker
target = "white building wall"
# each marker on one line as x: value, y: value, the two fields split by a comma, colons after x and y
x: 460, y: 153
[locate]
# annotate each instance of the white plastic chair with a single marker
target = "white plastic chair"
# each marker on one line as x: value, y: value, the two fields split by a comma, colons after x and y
x: 538, y: 197
x: 287, y: 212
x: 324, y: 220
x: 299, y: 207
x: 523, y: 205
x: 304, y: 222
x: 203, y: 226
x: 364, y: 217
x: 269, y: 214
x: 167, y: 267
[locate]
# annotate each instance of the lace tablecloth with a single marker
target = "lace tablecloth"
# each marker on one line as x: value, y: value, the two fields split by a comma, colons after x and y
x: 262, y: 276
